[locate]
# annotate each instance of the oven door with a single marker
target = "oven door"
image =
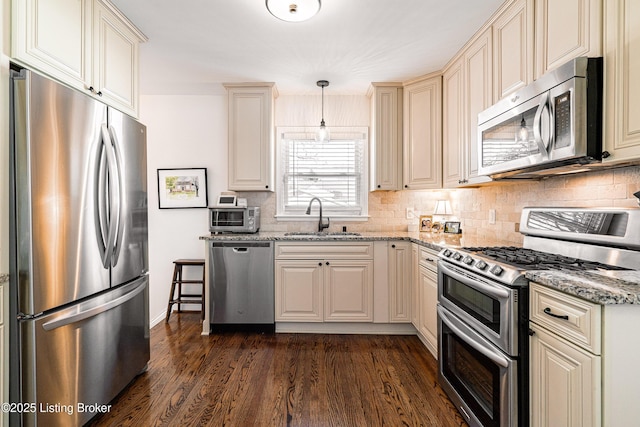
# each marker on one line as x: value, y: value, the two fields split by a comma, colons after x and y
x: 479, y: 378
x: 488, y: 307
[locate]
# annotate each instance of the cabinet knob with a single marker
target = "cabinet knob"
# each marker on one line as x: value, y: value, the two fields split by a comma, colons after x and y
x: 379, y: 185
x: 531, y: 332
x: 266, y: 186
x: 406, y: 186
x: 605, y: 154
x: 393, y: 246
x: 327, y: 263
x: 320, y: 264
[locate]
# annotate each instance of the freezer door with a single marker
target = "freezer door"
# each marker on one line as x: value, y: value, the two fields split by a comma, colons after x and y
x: 56, y: 148
x: 85, y: 354
x: 130, y: 253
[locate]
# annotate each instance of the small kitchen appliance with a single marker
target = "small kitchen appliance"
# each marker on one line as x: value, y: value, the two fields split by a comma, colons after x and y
x: 234, y: 219
x: 483, y: 310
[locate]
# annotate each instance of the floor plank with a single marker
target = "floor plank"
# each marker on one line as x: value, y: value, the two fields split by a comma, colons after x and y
x: 246, y: 379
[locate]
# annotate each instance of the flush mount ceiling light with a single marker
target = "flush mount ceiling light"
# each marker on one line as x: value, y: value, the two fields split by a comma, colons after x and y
x: 323, y: 134
x: 293, y: 10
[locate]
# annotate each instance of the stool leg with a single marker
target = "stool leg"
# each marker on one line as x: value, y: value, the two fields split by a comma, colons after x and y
x: 171, y: 293
x: 180, y: 288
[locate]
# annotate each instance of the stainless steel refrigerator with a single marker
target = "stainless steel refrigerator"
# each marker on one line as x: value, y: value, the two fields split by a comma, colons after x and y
x: 79, y: 263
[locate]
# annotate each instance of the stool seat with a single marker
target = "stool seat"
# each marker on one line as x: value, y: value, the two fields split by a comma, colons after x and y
x: 185, y: 298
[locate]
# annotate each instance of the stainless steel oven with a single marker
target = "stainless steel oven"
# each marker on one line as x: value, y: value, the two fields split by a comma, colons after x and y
x: 483, y: 357
x: 480, y: 379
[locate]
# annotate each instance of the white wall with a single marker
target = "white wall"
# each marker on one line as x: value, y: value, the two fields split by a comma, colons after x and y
x: 182, y: 132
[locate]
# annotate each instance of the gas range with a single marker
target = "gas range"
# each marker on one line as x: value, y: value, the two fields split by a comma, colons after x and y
x: 567, y: 239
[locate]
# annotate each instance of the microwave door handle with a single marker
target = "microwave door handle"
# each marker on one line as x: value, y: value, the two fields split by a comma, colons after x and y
x: 537, y: 125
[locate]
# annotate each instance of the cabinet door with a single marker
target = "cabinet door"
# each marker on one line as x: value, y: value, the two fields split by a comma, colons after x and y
x: 415, y: 285
x: 478, y: 95
x: 565, y: 382
x: 251, y: 154
x: 115, y: 67
x: 453, y: 153
x: 513, y: 48
x: 422, y: 135
x: 400, y: 281
x: 53, y: 37
x: 622, y: 84
x: 386, y: 140
x: 566, y: 29
x: 348, y: 291
x: 298, y: 293
x: 428, y: 314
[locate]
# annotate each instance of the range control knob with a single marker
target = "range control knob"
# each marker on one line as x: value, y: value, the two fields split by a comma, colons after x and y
x: 497, y: 270
x: 457, y: 256
x: 481, y: 265
x: 468, y: 260
x: 447, y: 253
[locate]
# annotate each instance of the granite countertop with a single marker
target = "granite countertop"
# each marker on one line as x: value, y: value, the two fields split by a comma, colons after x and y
x: 4, y: 278
x: 435, y: 241
x: 600, y: 287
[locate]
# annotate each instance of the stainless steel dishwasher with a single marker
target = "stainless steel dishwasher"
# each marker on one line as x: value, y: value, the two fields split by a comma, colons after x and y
x: 241, y: 285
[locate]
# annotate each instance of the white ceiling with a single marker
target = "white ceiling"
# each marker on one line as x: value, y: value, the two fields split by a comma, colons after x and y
x: 194, y: 45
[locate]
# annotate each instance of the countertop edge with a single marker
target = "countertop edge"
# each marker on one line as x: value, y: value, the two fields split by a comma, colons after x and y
x: 604, y: 288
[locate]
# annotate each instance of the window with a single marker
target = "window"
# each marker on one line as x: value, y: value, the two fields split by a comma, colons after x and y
x: 335, y: 172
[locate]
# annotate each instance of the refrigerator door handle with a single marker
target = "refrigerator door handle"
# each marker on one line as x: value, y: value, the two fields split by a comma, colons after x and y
x: 138, y: 285
x: 114, y: 196
x: 117, y: 244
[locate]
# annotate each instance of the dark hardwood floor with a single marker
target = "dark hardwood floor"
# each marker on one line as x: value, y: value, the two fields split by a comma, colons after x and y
x: 246, y: 379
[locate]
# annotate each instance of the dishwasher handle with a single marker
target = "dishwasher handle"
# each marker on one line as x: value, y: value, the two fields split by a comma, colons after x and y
x: 240, y: 250
x: 240, y: 244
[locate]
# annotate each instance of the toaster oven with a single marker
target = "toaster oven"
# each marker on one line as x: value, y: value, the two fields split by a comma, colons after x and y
x: 234, y: 219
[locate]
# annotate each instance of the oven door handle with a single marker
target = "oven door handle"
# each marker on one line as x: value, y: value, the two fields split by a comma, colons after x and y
x: 477, y: 283
x: 494, y: 356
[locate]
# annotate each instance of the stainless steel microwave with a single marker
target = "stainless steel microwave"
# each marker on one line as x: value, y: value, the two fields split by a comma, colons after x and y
x: 234, y: 219
x: 553, y: 125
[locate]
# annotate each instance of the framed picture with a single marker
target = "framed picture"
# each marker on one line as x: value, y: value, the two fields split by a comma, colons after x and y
x: 182, y: 188
x: 426, y: 221
x: 452, y: 227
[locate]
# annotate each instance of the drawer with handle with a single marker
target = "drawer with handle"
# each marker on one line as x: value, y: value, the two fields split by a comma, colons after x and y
x: 429, y: 259
x: 572, y: 318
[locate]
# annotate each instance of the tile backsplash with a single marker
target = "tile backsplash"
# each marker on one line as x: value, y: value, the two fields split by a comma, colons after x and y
x: 472, y: 206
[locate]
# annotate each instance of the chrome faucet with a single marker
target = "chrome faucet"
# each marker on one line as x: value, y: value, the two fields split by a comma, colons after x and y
x: 321, y: 224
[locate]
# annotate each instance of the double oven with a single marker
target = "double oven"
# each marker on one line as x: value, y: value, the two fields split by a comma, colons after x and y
x: 483, y: 346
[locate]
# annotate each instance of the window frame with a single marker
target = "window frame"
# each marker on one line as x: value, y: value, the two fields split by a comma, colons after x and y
x: 285, y: 133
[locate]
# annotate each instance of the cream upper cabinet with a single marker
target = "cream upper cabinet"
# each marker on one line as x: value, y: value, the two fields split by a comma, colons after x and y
x: 54, y: 37
x: 115, y: 56
x: 251, y: 136
x: 453, y: 117
x: 467, y: 90
x: 386, y: 137
x: 87, y: 44
x: 622, y: 81
x: 566, y: 29
x: 422, y: 134
x: 513, y: 48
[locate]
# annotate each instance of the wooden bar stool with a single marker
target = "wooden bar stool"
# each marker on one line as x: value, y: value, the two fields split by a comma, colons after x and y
x: 178, y: 280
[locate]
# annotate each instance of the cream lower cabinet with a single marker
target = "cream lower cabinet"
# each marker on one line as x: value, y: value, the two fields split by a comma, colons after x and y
x: 87, y: 44
x: 583, y: 361
x: 622, y: 81
x: 399, y: 258
x: 324, y: 282
x: 425, y: 296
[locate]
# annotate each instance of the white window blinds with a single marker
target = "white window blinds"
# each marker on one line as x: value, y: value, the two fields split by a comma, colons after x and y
x: 333, y: 171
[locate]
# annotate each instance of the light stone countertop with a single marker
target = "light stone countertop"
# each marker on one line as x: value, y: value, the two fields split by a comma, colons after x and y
x: 600, y: 287
x: 4, y: 278
x: 434, y: 241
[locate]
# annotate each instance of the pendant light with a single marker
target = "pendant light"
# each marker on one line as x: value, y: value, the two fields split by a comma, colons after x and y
x: 293, y: 10
x: 323, y: 134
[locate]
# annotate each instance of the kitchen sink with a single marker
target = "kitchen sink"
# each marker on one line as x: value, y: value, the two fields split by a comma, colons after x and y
x: 322, y: 234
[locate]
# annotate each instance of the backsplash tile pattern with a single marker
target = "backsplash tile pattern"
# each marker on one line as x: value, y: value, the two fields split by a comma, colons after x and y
x: 387, y: 209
